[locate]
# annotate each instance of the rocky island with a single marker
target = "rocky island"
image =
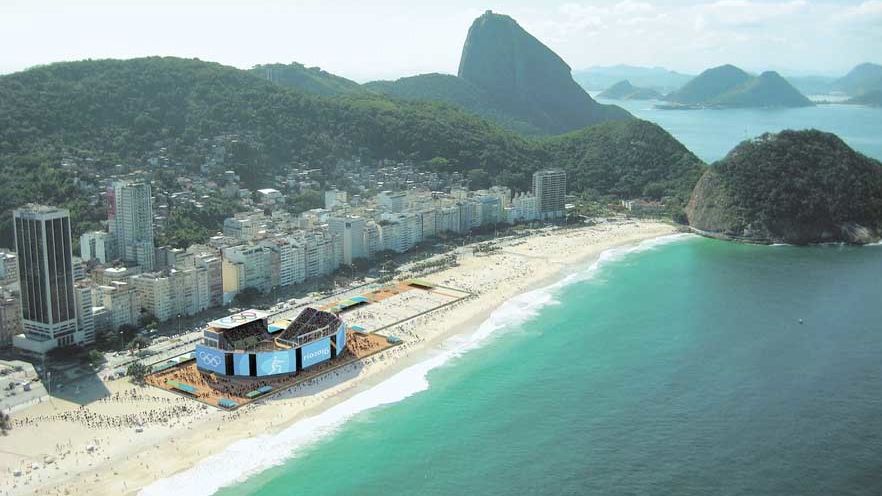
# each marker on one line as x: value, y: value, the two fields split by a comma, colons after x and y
x: 728, y: 86
x: 797, y: 187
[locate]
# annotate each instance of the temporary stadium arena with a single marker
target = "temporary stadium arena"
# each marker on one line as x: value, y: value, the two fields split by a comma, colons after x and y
x: 246, y: 345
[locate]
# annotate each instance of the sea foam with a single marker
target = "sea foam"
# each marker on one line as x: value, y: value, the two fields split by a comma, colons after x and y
x: 247, y: 457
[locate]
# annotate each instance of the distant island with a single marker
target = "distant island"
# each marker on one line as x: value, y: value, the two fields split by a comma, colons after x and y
x: 870, y: 98
x: 729, y: 86
x: 864, y: 78
x: 656, y: 78
x: 624, y: 90
x: 796, y: 187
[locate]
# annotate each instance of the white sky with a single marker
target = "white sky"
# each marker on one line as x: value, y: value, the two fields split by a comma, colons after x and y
x: 372, y: 39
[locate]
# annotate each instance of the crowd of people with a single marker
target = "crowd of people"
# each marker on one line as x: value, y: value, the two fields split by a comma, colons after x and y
x: 170, y: 409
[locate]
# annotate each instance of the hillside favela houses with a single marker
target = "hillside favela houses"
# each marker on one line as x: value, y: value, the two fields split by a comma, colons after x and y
x: 50, y: 298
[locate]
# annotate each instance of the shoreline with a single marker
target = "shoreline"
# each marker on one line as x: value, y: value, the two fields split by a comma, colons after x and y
x: 127, y: 466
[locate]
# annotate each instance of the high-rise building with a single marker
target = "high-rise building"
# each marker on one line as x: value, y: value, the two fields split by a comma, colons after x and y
x: 10, y: 317
x: 351, y: 231
x: 8, y: 268
x: 97, y: 245
x: 121, y: 300
x: 131, y: 223
x: 246, y: 266
x: 85, y: 319
x: 46, y: 279
x: 550, y: 189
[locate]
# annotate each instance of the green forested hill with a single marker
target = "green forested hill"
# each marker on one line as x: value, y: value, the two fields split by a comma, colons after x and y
x: 307, y: 79
x: 444, y: 88
x: 113, y: 111
x: 792, y: 187
x: 729, y: 86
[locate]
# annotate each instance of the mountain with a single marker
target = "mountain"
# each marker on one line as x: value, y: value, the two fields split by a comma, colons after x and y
x: 527, y: 79
x: 769, y: 89
x: 871, y: 98
x: 792, y: 187
x: 862, y: 79
x: 729, y: 86
x: 454, y: 91
x: 624, y: 90
x: 308, y: 79
x: 709, y: 85
x: 657, y: 78
x: 99, y: 113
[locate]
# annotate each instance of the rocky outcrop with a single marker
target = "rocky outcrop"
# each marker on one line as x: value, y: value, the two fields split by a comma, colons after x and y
x: 527, y: 79
x: 797, y: 187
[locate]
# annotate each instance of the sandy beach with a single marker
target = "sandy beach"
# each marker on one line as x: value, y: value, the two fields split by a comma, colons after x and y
x: 61, y: 448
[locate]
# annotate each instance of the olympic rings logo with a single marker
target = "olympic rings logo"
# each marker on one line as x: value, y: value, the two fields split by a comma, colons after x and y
x: 209, y: 359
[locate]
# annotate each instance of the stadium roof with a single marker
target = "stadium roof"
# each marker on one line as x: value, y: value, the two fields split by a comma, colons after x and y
x: 420, y: 282
x: 238, y: 319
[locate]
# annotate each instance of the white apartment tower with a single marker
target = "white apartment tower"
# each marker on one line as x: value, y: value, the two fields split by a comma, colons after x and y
x: 97, y: 245
x: 550, y: 189
x: 351, y: 231
x: 131, y: 223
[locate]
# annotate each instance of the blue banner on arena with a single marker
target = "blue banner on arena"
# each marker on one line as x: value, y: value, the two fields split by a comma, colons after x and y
x: 316, y: 352
x: 341, y: 339
x: 275, y: 362
x: 241, y: 364
x: 211, y: 359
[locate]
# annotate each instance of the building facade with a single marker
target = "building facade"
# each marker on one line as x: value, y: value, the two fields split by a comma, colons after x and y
x: 131, y: 222
x: 46, y: 279
x: 97, y: 245
x: 550, y: 189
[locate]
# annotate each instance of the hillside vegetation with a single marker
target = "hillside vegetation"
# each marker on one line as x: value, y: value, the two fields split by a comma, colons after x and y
x: 456, y: 91
x: 791, y: 187
x: 308, y: 79
x: 105, y: 112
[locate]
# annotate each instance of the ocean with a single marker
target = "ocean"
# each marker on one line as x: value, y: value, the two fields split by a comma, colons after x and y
x: 712, y: 133
x: 684, y: 366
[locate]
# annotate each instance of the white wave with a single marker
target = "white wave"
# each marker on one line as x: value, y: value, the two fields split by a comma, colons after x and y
x: 250, y: 456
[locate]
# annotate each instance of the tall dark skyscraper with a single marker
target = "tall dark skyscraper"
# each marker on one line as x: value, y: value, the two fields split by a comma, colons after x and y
x: 43, y: 245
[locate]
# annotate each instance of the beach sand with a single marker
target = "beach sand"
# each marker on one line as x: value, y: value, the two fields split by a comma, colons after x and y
x: 100, y: 459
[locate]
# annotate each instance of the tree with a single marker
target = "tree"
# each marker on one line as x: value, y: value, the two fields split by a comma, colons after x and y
x: 94, y: 357
x: 5, y: 423
x: 138, y: 343
x: 138, y: 372
x: 478, y: 179
x: 247, y: 297
x: 148, y: 321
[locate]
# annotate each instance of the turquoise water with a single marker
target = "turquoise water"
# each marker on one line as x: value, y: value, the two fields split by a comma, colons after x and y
x: 710, y: 134
x: 681, y: 369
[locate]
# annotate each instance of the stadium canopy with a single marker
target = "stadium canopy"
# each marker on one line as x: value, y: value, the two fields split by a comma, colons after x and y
x: 420, y: 283
x: 180, y: 386
x: 237, y: 319
x: 279, y: 325
x: 349, y: 303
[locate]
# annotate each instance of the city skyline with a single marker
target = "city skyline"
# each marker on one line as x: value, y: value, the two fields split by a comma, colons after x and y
x: 367, y: 43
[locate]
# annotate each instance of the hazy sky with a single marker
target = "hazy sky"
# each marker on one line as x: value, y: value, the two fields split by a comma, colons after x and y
x: 369, y: 39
